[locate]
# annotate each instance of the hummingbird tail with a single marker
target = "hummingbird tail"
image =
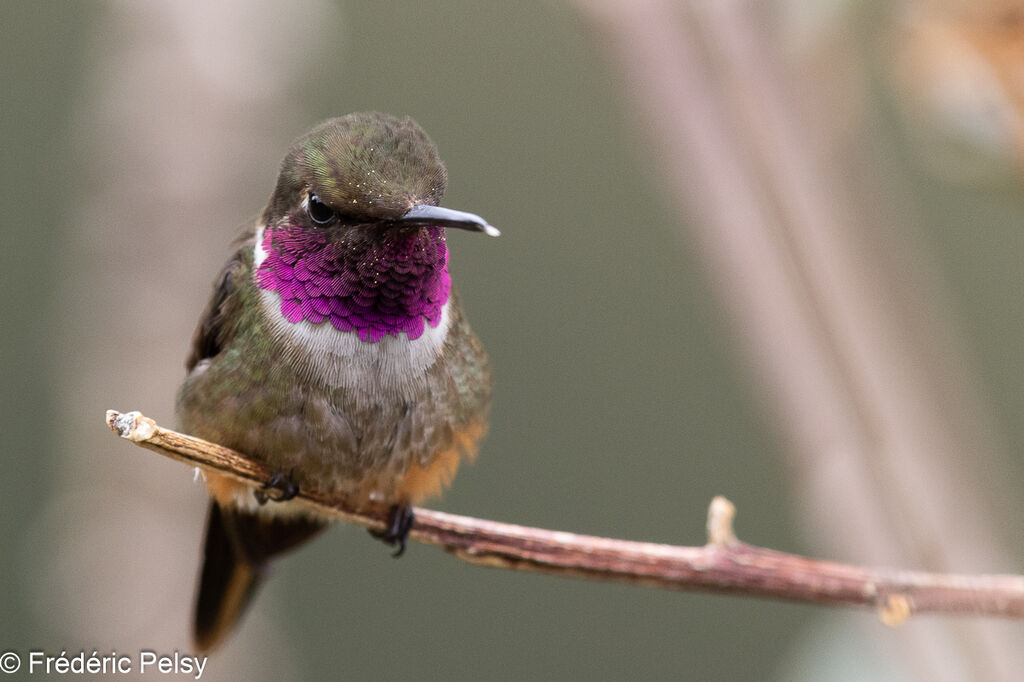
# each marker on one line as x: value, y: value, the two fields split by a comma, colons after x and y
x: 239, y: 546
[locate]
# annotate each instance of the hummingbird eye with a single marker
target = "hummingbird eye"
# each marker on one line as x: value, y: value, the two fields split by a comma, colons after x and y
x: 319, y: 212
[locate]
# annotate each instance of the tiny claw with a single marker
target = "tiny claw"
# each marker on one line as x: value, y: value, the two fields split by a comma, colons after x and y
x: 400, y: 520
x: 284, y: 488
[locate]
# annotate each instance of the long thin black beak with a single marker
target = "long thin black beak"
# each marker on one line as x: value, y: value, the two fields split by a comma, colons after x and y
x: 423, y: 214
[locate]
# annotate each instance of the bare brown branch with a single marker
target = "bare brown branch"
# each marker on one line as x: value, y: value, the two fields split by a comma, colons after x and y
x: 724, y: 565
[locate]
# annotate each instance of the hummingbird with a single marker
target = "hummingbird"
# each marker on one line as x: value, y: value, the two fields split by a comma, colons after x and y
x: 335, y: 351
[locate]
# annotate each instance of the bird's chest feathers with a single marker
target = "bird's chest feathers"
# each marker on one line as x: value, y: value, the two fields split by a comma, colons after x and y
x: 374, y: 323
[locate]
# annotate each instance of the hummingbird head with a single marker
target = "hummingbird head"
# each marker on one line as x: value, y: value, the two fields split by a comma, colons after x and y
x: 353, y: 234
x: 369, y: 167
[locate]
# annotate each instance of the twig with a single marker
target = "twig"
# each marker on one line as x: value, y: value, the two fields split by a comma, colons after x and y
x: 724, y: 565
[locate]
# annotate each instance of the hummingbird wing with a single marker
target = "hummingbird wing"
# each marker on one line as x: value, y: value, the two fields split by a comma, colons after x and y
x: 239, y: 544
x: 216, y: 325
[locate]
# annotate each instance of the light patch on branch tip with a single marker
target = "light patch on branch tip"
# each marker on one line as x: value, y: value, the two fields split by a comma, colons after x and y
x: 131, y: 425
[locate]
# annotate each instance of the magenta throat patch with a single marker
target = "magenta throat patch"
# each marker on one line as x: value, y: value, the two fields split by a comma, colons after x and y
x: 373, y: 288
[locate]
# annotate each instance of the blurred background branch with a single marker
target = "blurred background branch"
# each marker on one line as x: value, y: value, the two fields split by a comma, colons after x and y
x: 832, y: 303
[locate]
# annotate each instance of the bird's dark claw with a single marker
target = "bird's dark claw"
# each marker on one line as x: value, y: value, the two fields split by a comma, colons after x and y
x: 278, y: 488
x: 400, y: 519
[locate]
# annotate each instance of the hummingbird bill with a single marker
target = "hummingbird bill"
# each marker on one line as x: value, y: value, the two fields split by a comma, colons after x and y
x: 335, y: 351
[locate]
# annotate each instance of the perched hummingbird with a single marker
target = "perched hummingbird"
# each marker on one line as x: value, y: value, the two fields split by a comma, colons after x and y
x: 335, y: 351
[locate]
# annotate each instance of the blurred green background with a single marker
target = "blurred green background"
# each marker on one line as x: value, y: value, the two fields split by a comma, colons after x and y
x: 139, y: 138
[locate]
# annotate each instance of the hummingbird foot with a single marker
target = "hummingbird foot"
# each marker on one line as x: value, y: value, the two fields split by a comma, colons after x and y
x: 400, y: 519
x: 278, y: 488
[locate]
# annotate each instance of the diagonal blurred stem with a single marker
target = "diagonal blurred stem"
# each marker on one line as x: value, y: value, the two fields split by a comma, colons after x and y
x: 855, y: 381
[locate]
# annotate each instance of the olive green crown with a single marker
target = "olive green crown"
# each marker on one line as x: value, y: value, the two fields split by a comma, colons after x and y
x: 366, y: 165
